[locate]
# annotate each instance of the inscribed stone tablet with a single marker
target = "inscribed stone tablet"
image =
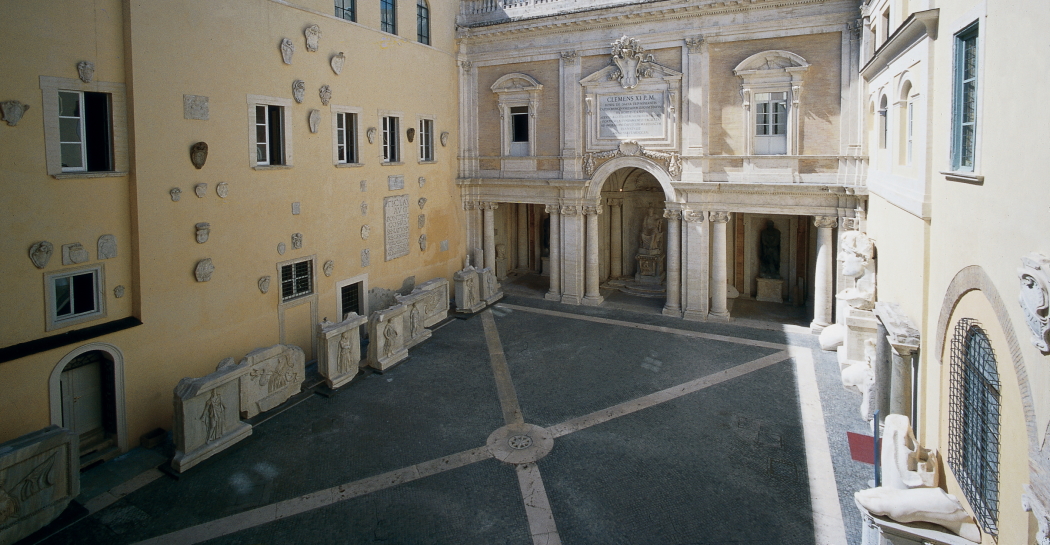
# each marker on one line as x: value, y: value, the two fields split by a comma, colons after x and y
x: 395, y: 183
x: 195, y: 107
x: 395, y: 223
x: 638, y: 115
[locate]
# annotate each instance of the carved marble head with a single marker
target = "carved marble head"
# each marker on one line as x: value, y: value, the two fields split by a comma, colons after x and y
x: 444, y: 138
x: 86, y: 70
x: 325, y: 92
x: 411, y: 133
x: 203, y: 230
x: 176, y: 194
x: 199, y: 154
x: 12, y: 111
x: 299, y: 90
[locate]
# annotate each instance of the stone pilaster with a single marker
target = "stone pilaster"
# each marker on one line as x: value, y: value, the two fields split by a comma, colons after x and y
x: 489, y: 209
x: 592, y: 297
x: 572, y: 254
x: 554, y: 293
x: 720, y: 268
x: 696, y: 262
x: 673, y: 305
x: 823, y: 294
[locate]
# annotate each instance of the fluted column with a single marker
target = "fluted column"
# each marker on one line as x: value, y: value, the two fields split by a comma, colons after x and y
x: 554, y: 293
x: 591, y: 295
x: 489, y: 209
x: 719, y: 269
x: 822, y: 289
x: 615, y: 238
x: 696, y: 265
x: 673, y: 306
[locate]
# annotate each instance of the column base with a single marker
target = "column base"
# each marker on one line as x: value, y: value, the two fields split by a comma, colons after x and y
x: 551, y: 296
x: 593, y: 300
x: 816, y: 327
x: 695, y: 315
x: 718, y: 316
x: 668, y: 311
x: 570, y: 299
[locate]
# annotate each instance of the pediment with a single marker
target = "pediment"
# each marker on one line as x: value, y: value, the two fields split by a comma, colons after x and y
x: 772, y: 60
x: 515, y: 82
x: 649, y: 70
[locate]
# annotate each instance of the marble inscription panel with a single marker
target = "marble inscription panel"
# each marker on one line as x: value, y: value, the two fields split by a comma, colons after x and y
x: 396, y: 228
x: 636, y: 115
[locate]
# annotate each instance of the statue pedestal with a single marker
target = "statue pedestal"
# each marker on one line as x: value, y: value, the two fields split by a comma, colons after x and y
x: 545, y: 269
x: 650, y: 269
x: 770, y: 290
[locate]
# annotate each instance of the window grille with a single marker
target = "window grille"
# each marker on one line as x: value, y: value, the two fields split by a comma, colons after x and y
x: 973, y: 429
x: 296, y: 280
x: 350, y: 299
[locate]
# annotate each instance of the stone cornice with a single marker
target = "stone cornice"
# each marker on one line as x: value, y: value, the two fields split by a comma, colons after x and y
x: 917, y: 26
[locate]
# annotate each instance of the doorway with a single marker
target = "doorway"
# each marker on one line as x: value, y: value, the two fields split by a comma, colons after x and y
x: 88, y: 400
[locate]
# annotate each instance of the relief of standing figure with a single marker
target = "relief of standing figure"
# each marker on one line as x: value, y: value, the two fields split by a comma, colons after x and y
x: 214, y: 416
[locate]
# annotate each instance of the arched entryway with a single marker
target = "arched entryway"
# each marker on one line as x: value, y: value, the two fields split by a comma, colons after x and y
x: 87, y: 396
x: 632, y: 252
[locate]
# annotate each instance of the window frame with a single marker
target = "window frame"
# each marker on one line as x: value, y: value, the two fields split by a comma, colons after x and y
x: 285, y: 104
x: 783, y: 124
x: 118, y: 129
x: 423, y: 22
x: 340, y: 6
x: 311, y: 276
x: 758, y: 76
x: 884, y: 122
x: 51, y: 299
x: 385, y: 141
x: 362, y: 294
x: 387, y: 23
x: 353, y: 135
x: 959, y: 39
x: 426, y: 139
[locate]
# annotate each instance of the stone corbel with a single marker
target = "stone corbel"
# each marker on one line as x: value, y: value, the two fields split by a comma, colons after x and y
x: 796, y: 93
x: 465, y: 65
x: 692, y: 216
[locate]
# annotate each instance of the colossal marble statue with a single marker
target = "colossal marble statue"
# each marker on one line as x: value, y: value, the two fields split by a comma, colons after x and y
x: 769, y: 255
x: 652, y: 238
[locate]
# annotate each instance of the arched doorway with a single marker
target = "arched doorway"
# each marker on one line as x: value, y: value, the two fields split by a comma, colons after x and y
x: 87, y: 397
x: 632, y: 245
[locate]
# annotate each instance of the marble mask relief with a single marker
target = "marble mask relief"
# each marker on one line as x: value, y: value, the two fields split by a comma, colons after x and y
x: 40, y: 253
x: 222, y: 190
x: 287, y: 50
x: 299, y: 90
x: 199, y: 154
x: 325, y: 92
x: 313, y: 35
x: 12, y: 111
x: 201, y: 190
x: 297, y: 241
x: 264, y: 284
x: 107, y: 247
x: 176, y: 194
x: 203, y: 230
x: 444, y: 138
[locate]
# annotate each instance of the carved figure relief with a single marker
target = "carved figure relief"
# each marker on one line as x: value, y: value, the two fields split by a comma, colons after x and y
x: 417, y: 320
x: 73, y: 254
x: 107, y: 247
x: 365, y: 231
x: 630, y: 58
x: 222, y: 189
x: 297, y: 241
x: 264, y: 284
x: 13, y: 111
x: 313, y: 35
x: 214, y: 416
x: 422, y: 202
x: 283, y: 375
x: 118, y: 292
x: 201, y: 190
x: 21, y: 493
x: 364, y: 209
x: 287, y: 50
x: 470, y: 289
x: 444, y: 138
x: 40, y: 253
x: 337, y: 62
x: 411, y: 134
x: 204, y: 270
x: 86, y: 70
x: 422, y: 182
x: 391, y: 336
x: 1034, y: 297
x: 325, y: 92
x: 423, y: 242
x: 366, y: 257
x: 176, y: 194
x: 328, y: 267
x: 856, y: 252
x: 314, y: 119
x: 199, y: 154
x: 281, y: 248
x: 203, y: 230
x: 345, y: 361
x: 371, y: 135
x: 299, y: 90
x: 421, y: 220
x: 364, y: 185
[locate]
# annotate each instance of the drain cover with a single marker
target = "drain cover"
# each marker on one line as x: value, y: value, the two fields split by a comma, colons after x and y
x: 520, y: 442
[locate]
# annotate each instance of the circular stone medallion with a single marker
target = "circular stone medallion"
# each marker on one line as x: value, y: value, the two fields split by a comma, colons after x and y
x: 520, y: 443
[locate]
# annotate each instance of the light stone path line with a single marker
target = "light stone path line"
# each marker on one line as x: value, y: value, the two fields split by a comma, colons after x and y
x: 508, y: 396
x: 828, y: 527
x: 656, y: 398
x: 537, y: 505
x: 661, y: 329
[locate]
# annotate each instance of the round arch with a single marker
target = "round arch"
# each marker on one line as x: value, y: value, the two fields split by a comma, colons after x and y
x: 54, y: 387
x: 601, y: 174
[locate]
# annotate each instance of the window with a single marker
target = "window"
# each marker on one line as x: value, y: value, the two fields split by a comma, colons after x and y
x: 964, y: 110
x: 973, y: 427
x: 296, y: 280
x: 74, y: 296
x: 350, y: 299
x: 910, y: 131
x: 770, y: 123
x: 884, y: 126
x: 388, y: 16
x: 85, y: 132
x: 391, y: 140
x: 270, y: 138
x: 426, y: 140
x: 884, y: 26
x: 423, y: 22
x: 518, y: 98
x: 345, y: 138
x: 519, y: 131
x: 346, y: 9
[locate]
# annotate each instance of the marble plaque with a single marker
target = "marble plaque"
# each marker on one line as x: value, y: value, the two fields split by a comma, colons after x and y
x: 395, y: 183
x: 635, y: 115
x: 195, y: 107
x: 396, y: 228
x: 275, y: 374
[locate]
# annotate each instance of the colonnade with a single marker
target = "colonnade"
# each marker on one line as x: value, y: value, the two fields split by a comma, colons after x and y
x: 697, y: 281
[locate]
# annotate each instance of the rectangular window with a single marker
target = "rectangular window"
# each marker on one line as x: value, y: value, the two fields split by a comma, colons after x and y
x: 770, y: 123
x: 423, y: 22
x: 296, y: 280
x: 885, y: 26
x: 388, y: 16
x: 391, y: 140
x: 85, y: 134
x: 350, y: 299
x: 269, y: 134
x: 910, y: 131
x: 964, y: 114
x: 426, y: 139
x: 74, y: 296
x: 519, y: 121
x: 346, y: 9
x: 346, y: 137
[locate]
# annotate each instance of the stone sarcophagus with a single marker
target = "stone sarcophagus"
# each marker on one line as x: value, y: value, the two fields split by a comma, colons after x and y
x: 208, y: 415
x: 274, y: 375
x: 468, y: 291
x: 386, y: 334
x: 434, y: 295
x: 491, y: 291
x: 39, y: 475
x: 414, y: 319
x: 339, y: 359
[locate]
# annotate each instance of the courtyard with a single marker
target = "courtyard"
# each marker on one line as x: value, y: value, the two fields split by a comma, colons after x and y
x: 530, y: 422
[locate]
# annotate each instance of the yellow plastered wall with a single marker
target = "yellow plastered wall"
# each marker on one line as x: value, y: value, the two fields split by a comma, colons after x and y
x: 548, y: 138
x: 900, y: 240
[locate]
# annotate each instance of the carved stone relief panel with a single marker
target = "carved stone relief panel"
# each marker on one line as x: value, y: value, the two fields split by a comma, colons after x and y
x: 411, y: 134
x: 287, y: 50
x: 86, y: 71
x: 314, y: 120
x: 273, y: 375
x: 395, y: 222
x: 328, y: 267
x: 296, y: 208
x: 107, y: 247
x: 74, y: 253
x: 40, y: 253
x: 201, y: 190
x: 297, y: 241
x: 195, y: 107
x: 371, y: 135
x: 204, y: 270
x: 199, y: 154
x: 264, y: 284
x: 325, y: 92
x: 364, y: 185
x: 395, y: 182
x: 118, y: 292
x: 299, y: 90
x: 313, y: 35
x: 176, y: 194
x: 422, y: 182
x: 203, y: 230
x: 339, y: 359
x: 444, y: 245
x: 386, y: 333
x: 222, y: 189
x: 1034, y: 297
x: 337, y: 62
x: 40, y: 475
x: 207, y: 415
x: 366, y: 257
x: 468, y: 291
x: 13, y: 111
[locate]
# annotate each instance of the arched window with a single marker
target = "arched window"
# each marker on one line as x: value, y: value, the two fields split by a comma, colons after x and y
x: 906, y: 126
x: 973, y: 426
x: 884, y: 126
x: 388, y: 16
x: 423, y: 22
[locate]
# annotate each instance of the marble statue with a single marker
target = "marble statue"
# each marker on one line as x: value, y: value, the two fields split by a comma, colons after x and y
x: 920, y: 505
x: 856, y: 257
x: 861, y: 375
x: 652, y: 237
x: 769, y: 255
x: 906, y: 464
x: 345, y: 358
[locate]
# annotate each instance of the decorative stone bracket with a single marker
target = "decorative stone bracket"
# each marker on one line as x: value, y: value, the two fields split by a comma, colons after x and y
x: 630, y: 148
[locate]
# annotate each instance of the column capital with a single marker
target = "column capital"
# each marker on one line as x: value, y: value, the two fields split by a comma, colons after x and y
x: 592, y: 209
x: 694, y: 43
x: 571, y: 210
x: 692, y: 216
x: 570, y: 56
x: 825, y: 222
x: 465, y: 65
x: 488, y: 205
x: 673, y: 214
x: 615, y: 201
x: 469, y: 205
x: 552, y: 208
x: 718, y: 216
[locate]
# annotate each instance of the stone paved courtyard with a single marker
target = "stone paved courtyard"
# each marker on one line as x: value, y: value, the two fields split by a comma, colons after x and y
x: 658, y: 430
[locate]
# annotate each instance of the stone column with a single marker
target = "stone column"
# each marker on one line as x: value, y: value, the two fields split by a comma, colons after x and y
x: 615, y: 238
x: 696, y: 265
x: 720, y: 269
x: 591, y: 296
x: 473, y: 229
x: 823, y: 293
x: 573, y: 256
x: 523, y: 237
x: 489, y: 209
x: 673, y: 306
x: 554, y: 293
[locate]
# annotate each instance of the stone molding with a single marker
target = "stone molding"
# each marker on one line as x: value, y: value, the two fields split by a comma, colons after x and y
x: 692, y: 216
x: 672, y: 161
x: 694, y: 43
x: 825, y: 222
x: 718, y: 216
